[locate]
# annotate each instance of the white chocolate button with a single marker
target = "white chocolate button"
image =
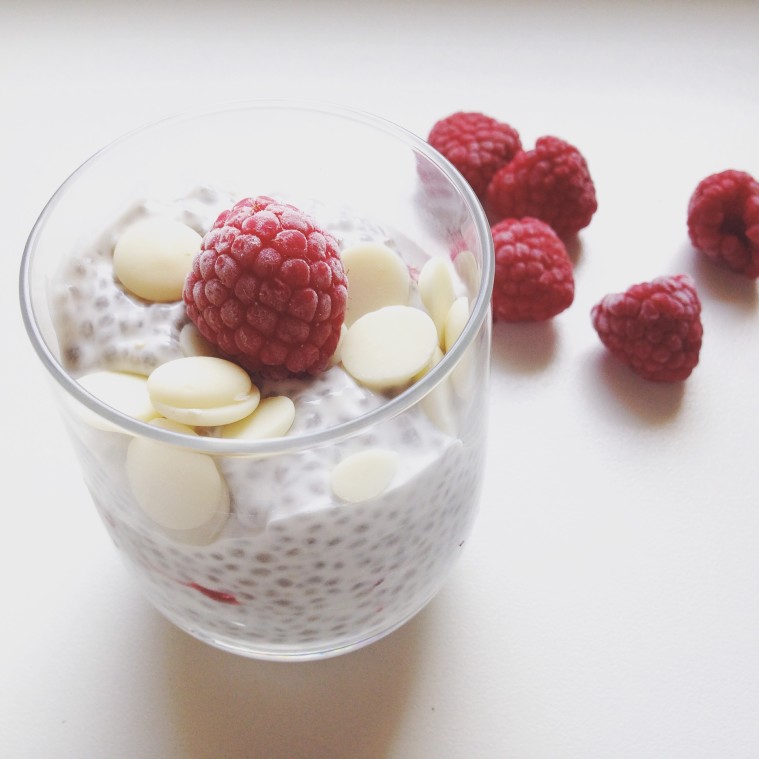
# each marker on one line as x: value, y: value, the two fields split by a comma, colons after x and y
x: 462, y: 376
x: 272, y: 418
x: 388, y: 348
x: 455, y: 321
x: 172, y: 426
x: 336, y: 356
x: 364, y: 475
x: 202, y: 391
x: 438, y: 403
x: 153, y: 257
x: 181, y: 491
x: 468, y: 269
x: 377, y: 277
x: 437, y: 355
x: 125, y: 392
x: 192, y: 343
x: 436, y: 292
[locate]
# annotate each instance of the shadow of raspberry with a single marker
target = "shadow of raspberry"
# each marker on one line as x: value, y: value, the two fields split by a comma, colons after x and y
x: 575, y: 250
x: 714, y: 281
x: 618, y: 389
x: 523, y: 347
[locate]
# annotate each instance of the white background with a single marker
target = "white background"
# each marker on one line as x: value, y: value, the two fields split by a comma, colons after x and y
x: 607, y: 605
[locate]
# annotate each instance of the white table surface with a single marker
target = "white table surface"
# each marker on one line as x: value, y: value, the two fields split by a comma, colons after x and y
x: 607, y: 605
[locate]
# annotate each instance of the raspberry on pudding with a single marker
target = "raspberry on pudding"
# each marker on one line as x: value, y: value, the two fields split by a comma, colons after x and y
x: 269, y: 289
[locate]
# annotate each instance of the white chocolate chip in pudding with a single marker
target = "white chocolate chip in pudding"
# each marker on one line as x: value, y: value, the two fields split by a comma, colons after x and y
x: 172, y: 426
x: 436, y: 292
x: 125, y: 392
x: 468, y: 270
x: 202, y: 391
x: 364, y: 475
x: 192, y: 343
x: 335, y: 360
x: 272, y: 418
x: 437, y: 355
x: 462, y: 375
x: 180, y: 490
x: 455, y: 321
x: 377, y: 277
x: 387, y: 348
x: 153, y: 256
x: 438, y: 403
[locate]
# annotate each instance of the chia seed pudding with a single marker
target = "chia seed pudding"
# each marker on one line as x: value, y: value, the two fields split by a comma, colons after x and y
x: 291, y: 569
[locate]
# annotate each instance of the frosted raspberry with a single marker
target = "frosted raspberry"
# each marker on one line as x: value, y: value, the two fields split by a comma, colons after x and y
x: 654, y: 327
x: 476, y: 144
x: 551, y: 183
x: 533, y: 272
x: 268, y: 288
x: 723, y: 220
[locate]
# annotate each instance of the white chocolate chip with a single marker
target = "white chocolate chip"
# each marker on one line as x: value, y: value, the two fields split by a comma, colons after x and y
x: 182, y: 491
x: 389, y: 347
x: 455, y: 321
x: 462, y: 375
x: 377, y: 277
x: 364, y: 475
x: 125, y: 392
x: 336, y: 356
x: 273, y: 418
x: 436, y: 292
x: 202, y: 391
x: 438, y: 403
x: 192, y: 343
x: 153, y: 257
x: 172, y: 426
x: 434, y: 361
x: 468, y: 269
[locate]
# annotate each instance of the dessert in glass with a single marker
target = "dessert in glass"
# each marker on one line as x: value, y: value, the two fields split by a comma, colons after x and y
x: 267, y: 330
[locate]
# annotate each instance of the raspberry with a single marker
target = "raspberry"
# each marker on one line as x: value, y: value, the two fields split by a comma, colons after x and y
x: 268, y: 288
x: 723, y: 220
x: 214, y: 595
x: 654, y: 327
x: 476, y: 145
x: 533, y: 272
x: 551, y: 182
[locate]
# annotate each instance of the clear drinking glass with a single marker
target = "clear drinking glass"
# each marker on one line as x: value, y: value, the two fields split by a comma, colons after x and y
x: 291, y: 571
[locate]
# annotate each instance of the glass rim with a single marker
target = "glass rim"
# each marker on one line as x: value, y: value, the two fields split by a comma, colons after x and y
x: 289, y: 443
